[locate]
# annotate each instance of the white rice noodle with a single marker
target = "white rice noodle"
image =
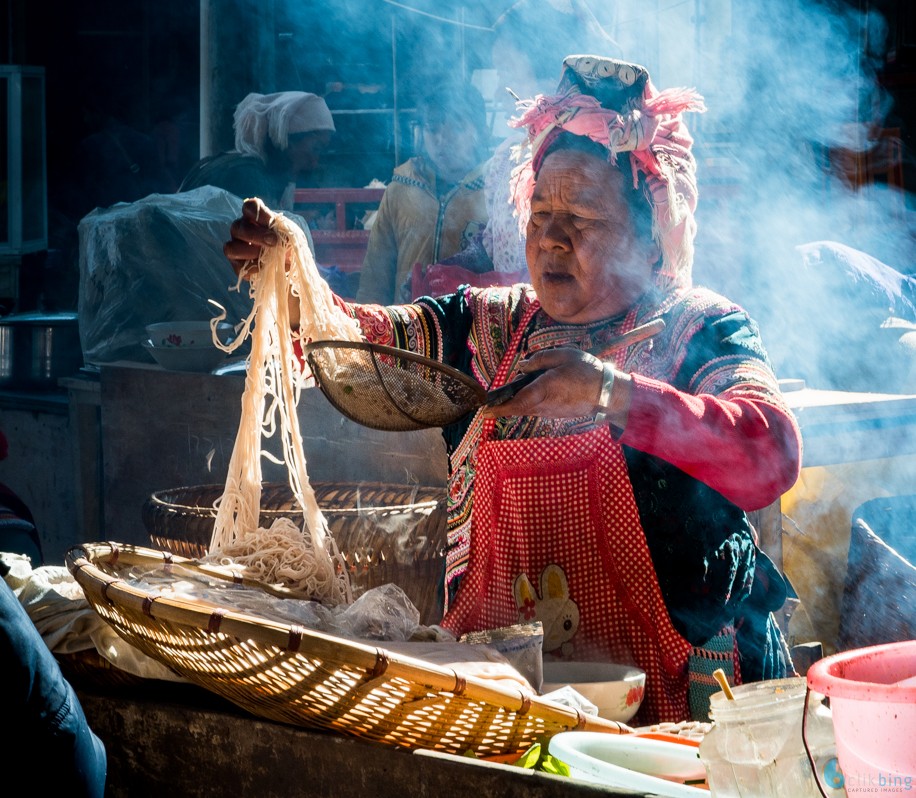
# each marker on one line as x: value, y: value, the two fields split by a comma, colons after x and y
x: 305, y: 559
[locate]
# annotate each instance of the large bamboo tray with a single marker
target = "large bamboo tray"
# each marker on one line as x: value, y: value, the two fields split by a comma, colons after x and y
x: 290, y: 674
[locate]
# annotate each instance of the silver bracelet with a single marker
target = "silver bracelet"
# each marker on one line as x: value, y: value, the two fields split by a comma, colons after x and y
x: 604, y: 398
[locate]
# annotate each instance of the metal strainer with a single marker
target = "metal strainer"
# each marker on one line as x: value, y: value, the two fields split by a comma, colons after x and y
x: 395, y: 390
x: 391, y: 389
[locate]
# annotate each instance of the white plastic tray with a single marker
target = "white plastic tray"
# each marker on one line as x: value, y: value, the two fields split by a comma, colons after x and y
x: 637, y: 763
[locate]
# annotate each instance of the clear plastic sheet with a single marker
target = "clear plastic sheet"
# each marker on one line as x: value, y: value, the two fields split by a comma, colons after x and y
x: 157, y: 259
x: 381, y: 613
x: 570, y: 697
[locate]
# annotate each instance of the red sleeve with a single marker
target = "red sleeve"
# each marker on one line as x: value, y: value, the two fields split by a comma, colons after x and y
x: 747, y: 449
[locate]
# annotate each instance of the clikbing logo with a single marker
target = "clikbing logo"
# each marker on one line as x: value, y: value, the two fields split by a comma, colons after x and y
x: 871, y: 783
x: 833, y: 776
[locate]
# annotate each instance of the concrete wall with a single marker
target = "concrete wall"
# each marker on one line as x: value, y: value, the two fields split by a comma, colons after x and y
x: 40, y: 467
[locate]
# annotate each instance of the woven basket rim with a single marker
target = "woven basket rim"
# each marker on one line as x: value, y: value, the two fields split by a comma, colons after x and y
x: 369, y: 658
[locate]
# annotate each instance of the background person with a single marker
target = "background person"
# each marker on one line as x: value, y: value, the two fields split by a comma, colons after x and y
x: 18, y: 532
x: 42, y: 714
x: 530, y: 39
x: 279, y: 141
x: 609, y: 497
x: 434, y: 204
x: 40, y: 707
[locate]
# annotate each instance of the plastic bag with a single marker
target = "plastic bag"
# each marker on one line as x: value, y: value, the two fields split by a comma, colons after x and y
x: 570, y: 697
x: 381, y: 613
x: 158, y: 259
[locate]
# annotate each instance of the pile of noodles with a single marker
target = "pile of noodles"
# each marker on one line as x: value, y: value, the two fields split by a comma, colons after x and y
x: 305, y: 558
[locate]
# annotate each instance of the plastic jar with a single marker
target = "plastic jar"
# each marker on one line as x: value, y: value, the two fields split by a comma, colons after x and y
x: 755, y: 746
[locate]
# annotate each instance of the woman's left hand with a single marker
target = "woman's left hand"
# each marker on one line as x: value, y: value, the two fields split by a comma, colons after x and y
x: 568, y: 388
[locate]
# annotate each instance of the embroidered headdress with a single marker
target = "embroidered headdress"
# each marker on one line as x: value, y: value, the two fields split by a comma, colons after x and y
x: 614, y: 103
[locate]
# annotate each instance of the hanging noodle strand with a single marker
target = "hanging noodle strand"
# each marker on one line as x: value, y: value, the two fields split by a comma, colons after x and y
x: 305, y: 558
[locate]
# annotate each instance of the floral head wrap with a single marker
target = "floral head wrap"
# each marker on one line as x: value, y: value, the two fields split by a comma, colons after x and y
x: 614, y: 104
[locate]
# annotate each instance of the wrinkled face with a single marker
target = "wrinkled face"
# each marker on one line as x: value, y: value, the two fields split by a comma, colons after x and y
x: 587, y: 260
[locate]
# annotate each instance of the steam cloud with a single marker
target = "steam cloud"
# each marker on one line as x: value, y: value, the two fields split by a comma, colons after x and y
x: 794, y: 109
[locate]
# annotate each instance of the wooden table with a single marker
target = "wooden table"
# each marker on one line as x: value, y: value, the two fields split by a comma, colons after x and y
x: 179, y: 740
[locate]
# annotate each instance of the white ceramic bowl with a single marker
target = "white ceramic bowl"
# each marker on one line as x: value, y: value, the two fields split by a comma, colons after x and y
x: 187, y: 334
x: 617, y: 690
x: 186, y: 358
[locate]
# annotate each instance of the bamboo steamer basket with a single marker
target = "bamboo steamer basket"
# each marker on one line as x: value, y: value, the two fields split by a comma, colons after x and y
x: 386, y: 533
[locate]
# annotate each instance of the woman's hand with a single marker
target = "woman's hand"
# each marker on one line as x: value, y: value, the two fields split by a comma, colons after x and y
x: 568, y: 388
x: 250, y: 235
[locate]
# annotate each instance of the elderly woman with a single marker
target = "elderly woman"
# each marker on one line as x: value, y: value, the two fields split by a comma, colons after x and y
x: 608, y: 498
x: 279, y: 141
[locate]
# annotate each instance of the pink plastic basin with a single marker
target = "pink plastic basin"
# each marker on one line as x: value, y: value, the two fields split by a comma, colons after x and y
x: 873, y: 701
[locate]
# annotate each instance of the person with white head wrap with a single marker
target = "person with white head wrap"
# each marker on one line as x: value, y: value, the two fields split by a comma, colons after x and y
x: 273, y: 118
x: 279, y: 140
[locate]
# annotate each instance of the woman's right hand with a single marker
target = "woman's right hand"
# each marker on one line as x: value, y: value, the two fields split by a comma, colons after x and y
x: 251, y: 233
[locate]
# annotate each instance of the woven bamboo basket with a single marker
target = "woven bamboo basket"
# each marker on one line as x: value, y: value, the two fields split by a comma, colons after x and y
x: 386, y: 533
x: 290, y: 674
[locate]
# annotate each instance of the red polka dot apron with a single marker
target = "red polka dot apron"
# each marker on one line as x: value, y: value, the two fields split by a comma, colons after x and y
x: 581, y: 564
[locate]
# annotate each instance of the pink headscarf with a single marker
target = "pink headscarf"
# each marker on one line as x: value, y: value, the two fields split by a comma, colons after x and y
x: 644, y: 122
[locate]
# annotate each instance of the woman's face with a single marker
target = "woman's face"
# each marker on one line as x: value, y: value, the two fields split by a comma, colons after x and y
x: 587, y: 260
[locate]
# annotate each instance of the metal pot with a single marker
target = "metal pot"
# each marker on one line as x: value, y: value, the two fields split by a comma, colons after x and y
x: 36, y: 349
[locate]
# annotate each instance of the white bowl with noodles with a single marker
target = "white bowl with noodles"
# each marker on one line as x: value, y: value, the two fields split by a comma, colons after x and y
x: 187, y: 334
x: 616, y: 690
